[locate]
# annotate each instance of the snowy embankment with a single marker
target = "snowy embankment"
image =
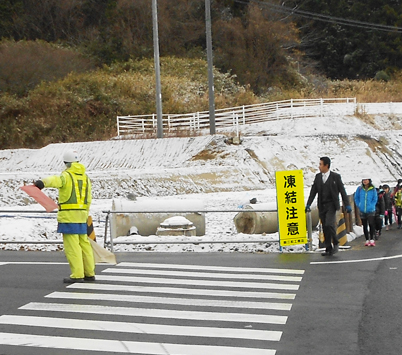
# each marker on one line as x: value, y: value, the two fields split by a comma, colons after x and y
x: 222, y: 175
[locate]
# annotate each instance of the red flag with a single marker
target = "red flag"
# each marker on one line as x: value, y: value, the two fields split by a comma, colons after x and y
x: 40, y: 197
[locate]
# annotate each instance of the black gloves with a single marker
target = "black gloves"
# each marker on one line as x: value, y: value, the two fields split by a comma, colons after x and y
x: 39, y: 184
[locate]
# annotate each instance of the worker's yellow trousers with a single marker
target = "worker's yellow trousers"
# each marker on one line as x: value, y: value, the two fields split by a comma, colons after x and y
x: 79, y: 255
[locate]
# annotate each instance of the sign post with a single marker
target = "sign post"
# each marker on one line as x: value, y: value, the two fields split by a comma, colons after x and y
x: 291, y: 210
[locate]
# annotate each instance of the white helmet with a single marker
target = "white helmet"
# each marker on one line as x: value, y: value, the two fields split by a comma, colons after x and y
x: 70, y: 156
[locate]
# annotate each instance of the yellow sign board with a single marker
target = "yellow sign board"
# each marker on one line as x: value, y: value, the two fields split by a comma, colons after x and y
x: 291, y: 209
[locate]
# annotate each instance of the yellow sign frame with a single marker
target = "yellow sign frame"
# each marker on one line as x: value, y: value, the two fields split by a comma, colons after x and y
x: 291, y: 209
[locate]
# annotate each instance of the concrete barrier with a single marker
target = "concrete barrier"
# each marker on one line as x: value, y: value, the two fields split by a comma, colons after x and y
x: 258, y: 222
x: 132, y: 214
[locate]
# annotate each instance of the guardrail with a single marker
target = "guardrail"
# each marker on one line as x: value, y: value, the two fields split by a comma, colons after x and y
x: 31, y: 214
x: 6, y: 214
x: 112, y: 242
x: 198, y: 240
x: 237, y: 116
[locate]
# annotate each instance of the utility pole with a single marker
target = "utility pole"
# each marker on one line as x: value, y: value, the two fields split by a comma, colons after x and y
x: 210, y: 67
x: 159, y: 121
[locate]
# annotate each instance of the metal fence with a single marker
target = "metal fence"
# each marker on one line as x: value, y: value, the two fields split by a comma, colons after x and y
x: 30, y: 214
x: 110, y: 241
x: 237, y: 116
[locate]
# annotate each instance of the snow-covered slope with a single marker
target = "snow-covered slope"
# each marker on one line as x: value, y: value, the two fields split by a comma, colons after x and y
x: 206, y: 167
x: 170, y: 166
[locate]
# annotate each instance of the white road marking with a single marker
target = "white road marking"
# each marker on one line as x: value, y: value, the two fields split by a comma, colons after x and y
x: 141, y: 328
x: 195, y: 282
x: 204, y: 274
x: 156, y: 313
x: 355, y: 261
x: 33, y: 263
x: 117, y: 346
x: 175, y: 301
x: 183, y: 291
x: 159, y: 276
x: 211, y: 268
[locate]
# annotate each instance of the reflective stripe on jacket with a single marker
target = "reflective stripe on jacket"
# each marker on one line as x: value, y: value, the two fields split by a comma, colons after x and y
x: 75, y: 193
x: 78, y: 199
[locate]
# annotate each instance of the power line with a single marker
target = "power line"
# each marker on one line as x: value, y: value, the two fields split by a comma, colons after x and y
x: 325, y: 18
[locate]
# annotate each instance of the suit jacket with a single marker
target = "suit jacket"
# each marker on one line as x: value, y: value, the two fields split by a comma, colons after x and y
x: 335, y: 184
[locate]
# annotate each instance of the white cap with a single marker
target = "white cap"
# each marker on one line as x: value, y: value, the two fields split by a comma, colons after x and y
x: 70, y: 156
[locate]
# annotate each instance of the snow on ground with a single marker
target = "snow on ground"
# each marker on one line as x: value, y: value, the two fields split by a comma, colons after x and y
x: 223, y: 176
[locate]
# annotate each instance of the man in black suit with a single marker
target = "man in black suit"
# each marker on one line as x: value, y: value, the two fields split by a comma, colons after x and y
x: 328, y: 185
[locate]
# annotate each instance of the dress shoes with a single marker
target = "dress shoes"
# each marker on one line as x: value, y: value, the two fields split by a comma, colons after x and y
x: 335, y: 249
x: 327, y: 253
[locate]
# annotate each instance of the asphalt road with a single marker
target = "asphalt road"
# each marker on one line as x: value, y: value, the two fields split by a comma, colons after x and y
x: 345, y: 304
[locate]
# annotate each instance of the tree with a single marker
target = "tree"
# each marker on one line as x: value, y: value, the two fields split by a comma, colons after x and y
x: 344, y: 51
x: 8, y: 11
x: 256, y: 47
x: 25, y: 64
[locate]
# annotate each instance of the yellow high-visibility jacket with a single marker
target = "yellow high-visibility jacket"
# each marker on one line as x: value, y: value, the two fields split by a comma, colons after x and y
x: 75, y: 193
x: 398, y: 199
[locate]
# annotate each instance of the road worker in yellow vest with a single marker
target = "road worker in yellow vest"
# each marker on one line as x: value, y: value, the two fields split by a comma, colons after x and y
x: 74, y: 201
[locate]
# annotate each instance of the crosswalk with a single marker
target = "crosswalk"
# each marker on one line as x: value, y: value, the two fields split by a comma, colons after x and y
x: 175, y: 309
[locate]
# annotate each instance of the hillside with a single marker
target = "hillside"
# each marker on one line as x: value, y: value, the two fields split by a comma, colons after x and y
x: 161, y: 167
x: 206, y: 168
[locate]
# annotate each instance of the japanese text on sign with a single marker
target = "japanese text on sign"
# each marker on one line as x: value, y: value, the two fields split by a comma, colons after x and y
x: 291, y: 212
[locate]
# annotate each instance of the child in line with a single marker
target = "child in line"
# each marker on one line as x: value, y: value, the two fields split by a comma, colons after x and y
x: 379, y: 212
x: 388, y: 207
x: 398, y: 205
x: 366, y: 198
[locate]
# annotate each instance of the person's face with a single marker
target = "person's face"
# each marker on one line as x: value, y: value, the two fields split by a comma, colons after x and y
x: 323, y: 168
x: 366, y: 182
x: 386, y: 189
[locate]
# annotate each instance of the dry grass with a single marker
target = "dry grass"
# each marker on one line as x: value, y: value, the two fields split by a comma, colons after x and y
x: 83, y: 107
x: 369, y: 91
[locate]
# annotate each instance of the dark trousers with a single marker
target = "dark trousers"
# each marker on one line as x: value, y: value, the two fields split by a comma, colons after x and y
x: 399, y: 215
x: 328, y: 219
x: 378, y: 224
x: 388, y: 217
x: 368, y: 220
